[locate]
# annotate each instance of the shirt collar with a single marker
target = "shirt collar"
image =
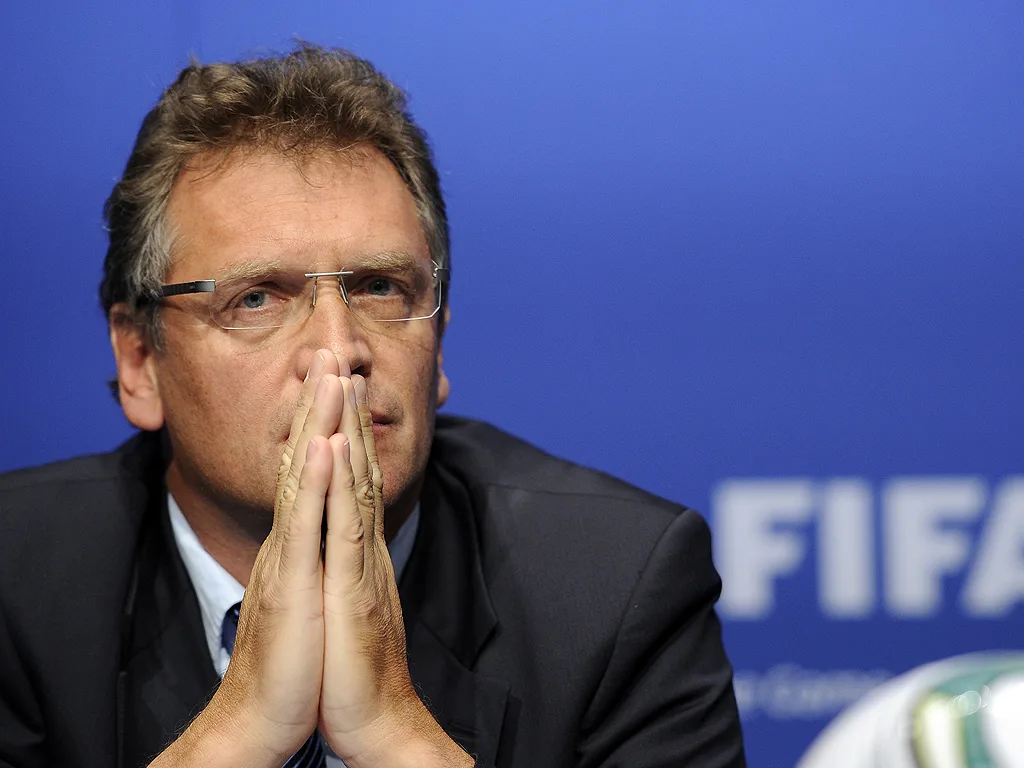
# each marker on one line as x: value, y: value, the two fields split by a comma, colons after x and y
x: 217, y: 590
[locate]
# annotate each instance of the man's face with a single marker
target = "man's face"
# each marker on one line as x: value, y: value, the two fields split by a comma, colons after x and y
x: 228, y: 396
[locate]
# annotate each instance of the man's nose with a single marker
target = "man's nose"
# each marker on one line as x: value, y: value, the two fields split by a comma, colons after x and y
x: 333, y: 326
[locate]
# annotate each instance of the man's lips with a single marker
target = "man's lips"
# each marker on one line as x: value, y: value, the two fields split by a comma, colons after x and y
x: 381, y: 424
x: 381, y: 421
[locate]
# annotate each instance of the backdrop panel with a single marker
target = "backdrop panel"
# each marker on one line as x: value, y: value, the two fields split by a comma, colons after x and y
x: 762, y: 258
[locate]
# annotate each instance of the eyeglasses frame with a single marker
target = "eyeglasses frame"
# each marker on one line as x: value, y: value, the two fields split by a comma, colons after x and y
x: 210, y: 286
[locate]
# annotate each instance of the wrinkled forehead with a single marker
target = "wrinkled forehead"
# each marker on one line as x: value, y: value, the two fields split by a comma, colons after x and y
x: 314, y: 211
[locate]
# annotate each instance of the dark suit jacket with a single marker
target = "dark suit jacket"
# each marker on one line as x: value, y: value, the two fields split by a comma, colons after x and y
x: 555, y: 616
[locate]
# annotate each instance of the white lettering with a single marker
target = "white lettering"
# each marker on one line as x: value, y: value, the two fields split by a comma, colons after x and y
x: 846, y: 568
x: 921, y: 545
x: 996, y: 585
x: 752, y: 550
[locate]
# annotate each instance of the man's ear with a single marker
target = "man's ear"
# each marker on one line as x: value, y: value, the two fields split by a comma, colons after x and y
x: 137, y: 386
x: 444, y: 387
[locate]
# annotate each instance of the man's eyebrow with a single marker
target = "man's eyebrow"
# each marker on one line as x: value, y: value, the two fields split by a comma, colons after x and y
x: 385, y: 261
x: 246, y: 270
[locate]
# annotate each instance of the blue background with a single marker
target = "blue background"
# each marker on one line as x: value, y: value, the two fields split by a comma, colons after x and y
x: 692, y: 241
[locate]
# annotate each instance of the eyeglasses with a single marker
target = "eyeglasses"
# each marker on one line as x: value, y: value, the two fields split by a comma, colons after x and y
x: 274, y: 298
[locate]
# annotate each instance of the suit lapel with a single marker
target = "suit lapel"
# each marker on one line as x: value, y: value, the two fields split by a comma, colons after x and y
x: 449, y: 619
x: 168, y: 676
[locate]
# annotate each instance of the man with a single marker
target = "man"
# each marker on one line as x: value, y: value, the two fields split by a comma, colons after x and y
x: 276, y: 290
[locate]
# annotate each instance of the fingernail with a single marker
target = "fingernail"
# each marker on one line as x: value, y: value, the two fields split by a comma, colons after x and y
x: 352, y: 394
x: 360, y: 386
x: 311, y: 449
x: 316, y: 367
x: 344, y: 449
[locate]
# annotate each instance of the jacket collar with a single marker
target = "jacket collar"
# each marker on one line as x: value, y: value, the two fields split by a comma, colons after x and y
x: 449, y: 618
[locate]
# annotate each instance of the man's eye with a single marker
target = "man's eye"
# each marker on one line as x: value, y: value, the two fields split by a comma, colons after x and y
x: 380, y: 286
x: 254, y: 299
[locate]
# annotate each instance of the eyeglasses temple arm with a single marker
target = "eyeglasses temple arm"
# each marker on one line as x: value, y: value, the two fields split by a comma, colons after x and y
x: 196, y: 286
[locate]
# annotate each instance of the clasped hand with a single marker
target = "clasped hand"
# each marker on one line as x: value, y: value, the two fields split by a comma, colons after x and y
x: 321, y: 642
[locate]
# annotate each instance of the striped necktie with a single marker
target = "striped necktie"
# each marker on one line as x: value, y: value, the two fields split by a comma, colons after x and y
x: 310, y: 754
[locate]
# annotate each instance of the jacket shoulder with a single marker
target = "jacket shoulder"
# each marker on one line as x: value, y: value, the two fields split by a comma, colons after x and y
x: 486, y: 456
x: 62, y: 515
x: 81, y: 469
x: 552, y: 520
x: 84, y: 481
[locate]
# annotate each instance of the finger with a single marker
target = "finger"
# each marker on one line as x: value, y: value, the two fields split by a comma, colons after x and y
x: 321, y: 419
x: 324, y: 361
x: 343, y: 367
x: 370, y: 446
x: 300, y: 536
x: 343, y: 553
x: 353, y: 430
